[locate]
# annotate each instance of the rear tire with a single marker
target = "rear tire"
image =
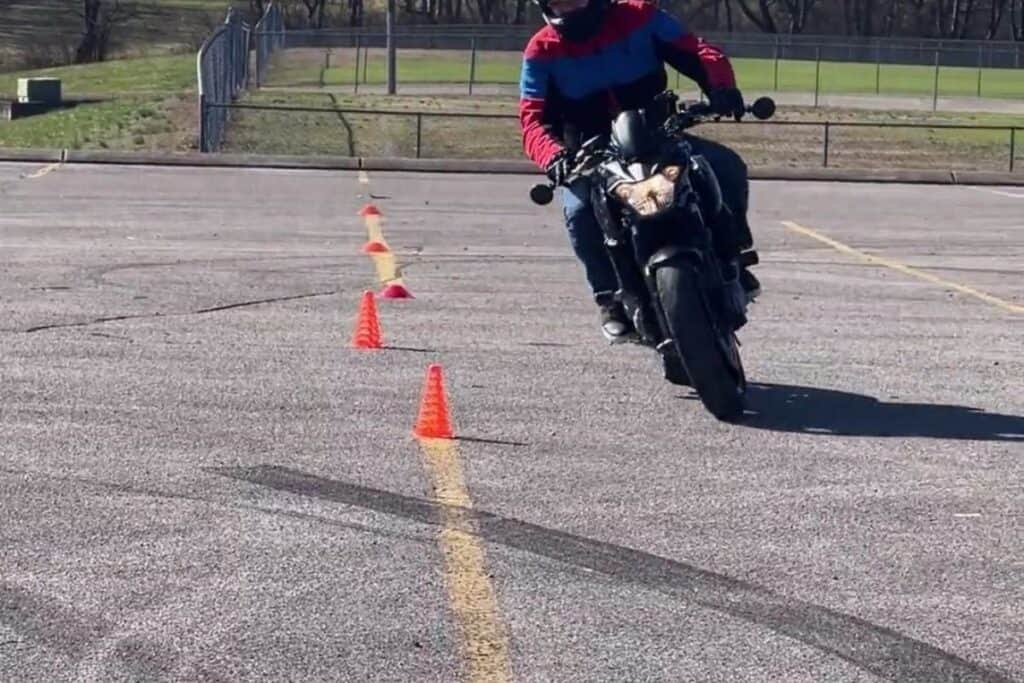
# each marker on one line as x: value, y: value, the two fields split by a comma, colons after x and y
x: 706, y: 356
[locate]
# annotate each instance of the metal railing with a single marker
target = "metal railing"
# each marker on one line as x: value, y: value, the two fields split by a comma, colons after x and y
x: 222, y: 70
x: 827, y: 127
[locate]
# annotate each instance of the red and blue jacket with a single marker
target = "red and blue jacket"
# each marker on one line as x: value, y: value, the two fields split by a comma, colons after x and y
x: 574, y: 89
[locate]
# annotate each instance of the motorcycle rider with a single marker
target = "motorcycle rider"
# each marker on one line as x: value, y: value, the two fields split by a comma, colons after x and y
x: 593, y: 59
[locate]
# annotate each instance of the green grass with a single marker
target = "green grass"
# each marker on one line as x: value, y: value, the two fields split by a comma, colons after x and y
x: 126, y: 76
x: 306, y: 67
x: 148, y: 103
x: 141, y: 122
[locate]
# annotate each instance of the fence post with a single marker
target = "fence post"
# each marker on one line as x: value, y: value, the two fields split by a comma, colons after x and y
x: 392, y: 49
x: 776, y: 66
x: 1013, y: 146
x: 355, y: 76
x: 981, y: 60
x: 202, y: 123
x: 825, y: 151
x: 366, y: 62
x: 935, y: 86
x: 419, y: 134
x: 259, y: 62
x: 817, y: 74
x: 878, y: 68
x: 472, y: 63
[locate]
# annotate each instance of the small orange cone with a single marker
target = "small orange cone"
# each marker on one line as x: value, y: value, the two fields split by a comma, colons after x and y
x: 367, y: 334
x: 434, y: 421
x: 369, y: 210
x: 375, y: 247
x: 395, y: 290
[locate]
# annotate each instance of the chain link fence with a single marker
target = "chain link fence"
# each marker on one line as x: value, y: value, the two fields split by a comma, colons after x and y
x: 270, y: 37
x: 223, y: 68
x: 480, y: 60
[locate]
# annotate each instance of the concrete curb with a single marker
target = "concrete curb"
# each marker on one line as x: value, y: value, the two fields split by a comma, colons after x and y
x: 42, y: 156
x: 210, y: 160
x: 491, y: 166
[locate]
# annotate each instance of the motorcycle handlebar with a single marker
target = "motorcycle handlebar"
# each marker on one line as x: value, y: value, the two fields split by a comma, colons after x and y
x: 762, y: 108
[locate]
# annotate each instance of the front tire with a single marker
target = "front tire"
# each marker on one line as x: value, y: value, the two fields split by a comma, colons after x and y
x: 719, y: 383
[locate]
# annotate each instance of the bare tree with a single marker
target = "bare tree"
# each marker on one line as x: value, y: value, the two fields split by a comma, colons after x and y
x: 995, y: 18
x: 761, y: 16
x: 256, y: 9
x: 99, y: 17
x: 799, y: 11
x: 356, y: 12
x: 315, y: 14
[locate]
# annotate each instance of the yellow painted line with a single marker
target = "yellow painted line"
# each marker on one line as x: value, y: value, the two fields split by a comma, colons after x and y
x: 373, y: 230
x: 49, y: 168
x: 483, y: 638
x: 387, y: 269
x: 904, y: 268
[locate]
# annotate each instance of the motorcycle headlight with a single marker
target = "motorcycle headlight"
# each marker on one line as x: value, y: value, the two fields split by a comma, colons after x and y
x: 652, y: 196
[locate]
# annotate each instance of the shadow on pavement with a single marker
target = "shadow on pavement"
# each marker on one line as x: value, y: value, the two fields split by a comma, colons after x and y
x: 811, y: 410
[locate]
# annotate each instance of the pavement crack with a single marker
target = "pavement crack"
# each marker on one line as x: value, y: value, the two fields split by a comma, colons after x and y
x: 201, y: 311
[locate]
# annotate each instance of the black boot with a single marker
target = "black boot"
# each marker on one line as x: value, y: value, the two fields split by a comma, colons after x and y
x: 751, y: 285
x: 615, y: 324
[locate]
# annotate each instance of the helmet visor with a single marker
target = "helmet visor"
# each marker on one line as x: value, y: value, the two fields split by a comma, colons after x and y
x: 560, y: 8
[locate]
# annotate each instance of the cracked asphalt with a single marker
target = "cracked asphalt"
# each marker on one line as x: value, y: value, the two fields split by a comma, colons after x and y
x: 200, y: 480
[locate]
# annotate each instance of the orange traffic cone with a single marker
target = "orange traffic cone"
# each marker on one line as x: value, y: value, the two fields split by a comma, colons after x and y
x: 434, y: 421
x: 375, y: 247
x: 395, y: 290
x: 367, y: 334
x: 369, y: 210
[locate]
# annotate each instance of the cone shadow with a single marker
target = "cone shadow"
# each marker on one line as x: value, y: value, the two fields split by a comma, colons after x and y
x: 496, y: 442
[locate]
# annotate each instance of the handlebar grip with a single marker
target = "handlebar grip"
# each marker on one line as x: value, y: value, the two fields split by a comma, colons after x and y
x: 542, y: 194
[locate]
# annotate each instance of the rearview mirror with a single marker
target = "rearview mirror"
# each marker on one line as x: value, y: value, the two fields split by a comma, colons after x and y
x: 763, y: 108
x: 542, y: 194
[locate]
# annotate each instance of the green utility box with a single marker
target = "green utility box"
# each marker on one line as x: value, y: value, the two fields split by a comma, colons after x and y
x: 39, y: 90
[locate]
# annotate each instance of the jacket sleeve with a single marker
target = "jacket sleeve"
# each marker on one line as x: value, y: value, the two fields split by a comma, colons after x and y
x: 690, y: 55
x: 539, y: 143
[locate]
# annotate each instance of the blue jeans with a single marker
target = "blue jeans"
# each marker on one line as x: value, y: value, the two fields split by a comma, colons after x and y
x: 586, y: 236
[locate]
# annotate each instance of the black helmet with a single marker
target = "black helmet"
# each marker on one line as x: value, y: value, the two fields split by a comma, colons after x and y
x: 578, y: 25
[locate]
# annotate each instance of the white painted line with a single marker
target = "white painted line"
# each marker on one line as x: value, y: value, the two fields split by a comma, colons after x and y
x: 364, y: 178
x: 1001, y: 193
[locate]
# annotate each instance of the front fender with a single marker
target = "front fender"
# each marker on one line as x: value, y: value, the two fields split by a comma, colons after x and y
x: 671, y: 254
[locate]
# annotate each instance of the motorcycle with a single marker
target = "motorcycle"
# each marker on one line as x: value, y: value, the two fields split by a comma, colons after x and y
x: 656, y: 201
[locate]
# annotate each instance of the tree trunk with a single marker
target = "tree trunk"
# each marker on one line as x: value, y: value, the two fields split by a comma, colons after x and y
x: 88, y: 44
x: 995, y: 19
x: 762, y: 18
x: 520, y: 12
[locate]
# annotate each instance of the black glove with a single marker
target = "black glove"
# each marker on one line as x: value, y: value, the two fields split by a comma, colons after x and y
x: 559, y: 167
x: 727, y: 102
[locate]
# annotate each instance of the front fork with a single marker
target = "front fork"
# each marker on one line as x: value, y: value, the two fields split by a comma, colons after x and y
x: 634, y: 294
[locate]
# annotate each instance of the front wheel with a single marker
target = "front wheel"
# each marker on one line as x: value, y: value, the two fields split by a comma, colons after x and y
x: 711, y: 360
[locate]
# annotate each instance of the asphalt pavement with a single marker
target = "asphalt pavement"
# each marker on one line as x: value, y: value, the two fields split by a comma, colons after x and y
x: 201, y: 480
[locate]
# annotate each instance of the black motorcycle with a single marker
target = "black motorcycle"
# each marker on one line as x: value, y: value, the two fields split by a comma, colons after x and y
x: 657, y: 202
